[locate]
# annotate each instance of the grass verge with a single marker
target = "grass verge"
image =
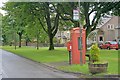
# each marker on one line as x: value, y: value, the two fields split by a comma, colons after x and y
x: 60, y: 55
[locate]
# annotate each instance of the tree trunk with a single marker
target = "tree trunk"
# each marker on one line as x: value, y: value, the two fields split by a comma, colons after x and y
x: 76, y: 24
x: 37, y: 41
x: 51, y: 47
x: 26, y: 43
x: 20, y: 37
x: 87, y: 31
x: 15, y: 40
x: 52, y: 29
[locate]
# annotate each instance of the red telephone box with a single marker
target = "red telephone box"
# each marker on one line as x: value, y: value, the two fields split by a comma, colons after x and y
x: 76, y: 56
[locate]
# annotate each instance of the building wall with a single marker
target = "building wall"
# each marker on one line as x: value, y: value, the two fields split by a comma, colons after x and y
x: 109, y: 34
x: 105, y: 32
x: 100, y: 33
x: 62, y: 36
x: 117, y: 30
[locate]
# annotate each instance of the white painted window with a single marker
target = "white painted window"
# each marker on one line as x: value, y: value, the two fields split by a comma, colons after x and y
x: 101, y: 38
x: 94, y: 39
x: 110, y: 26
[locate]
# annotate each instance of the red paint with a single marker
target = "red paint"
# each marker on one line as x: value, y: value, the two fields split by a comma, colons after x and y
x: 110, y: 45
x: 69, y: 46
x: 75, y: 34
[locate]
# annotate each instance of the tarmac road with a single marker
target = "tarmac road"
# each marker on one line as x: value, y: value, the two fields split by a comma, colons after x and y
x: 14, y: 66
x: 0, y: 64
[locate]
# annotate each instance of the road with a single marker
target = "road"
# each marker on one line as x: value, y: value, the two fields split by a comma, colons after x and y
x: 14, y: 66
x: 0, y: 64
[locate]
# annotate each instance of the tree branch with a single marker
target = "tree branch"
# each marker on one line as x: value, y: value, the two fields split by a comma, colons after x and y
x: 42, y: 25
x: 56, y: 23
x: 57, y: 10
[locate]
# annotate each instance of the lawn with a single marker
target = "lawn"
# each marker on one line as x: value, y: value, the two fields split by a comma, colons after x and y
x: 41, y: 55
x: 111, y: 56
x: 60, y: 55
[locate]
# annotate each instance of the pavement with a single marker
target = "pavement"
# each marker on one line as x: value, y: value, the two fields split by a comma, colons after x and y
x: 14, y: 66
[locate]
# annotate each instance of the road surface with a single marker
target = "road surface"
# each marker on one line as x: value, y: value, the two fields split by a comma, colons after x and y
x: 14, y: 66
x: 0, y: 64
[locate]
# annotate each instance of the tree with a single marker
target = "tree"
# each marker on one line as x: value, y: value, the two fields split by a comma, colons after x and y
x: 13, y: 15
x: 48, y: 19
x: 116, y: 10
x: 48, y: 15
x: 33, y: 30
x: 8, y: 29
x: 52, y: 29
x: 86, y: 10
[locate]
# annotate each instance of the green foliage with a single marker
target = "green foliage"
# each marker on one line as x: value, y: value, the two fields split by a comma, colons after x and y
x: 86, y: 10
x: 94, y: 53
x: 47, y: 16
x: 36, y: 15
x: 116, y: 10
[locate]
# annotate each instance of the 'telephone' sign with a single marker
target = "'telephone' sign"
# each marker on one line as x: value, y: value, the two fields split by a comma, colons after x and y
x: 76, y: 15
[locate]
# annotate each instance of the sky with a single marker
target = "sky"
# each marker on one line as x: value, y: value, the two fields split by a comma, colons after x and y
x: 1, y: 4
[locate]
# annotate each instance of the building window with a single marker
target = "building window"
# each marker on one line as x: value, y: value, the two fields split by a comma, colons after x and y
x: 94, y: 39
x: 100, y: 38
x: 110, y: 26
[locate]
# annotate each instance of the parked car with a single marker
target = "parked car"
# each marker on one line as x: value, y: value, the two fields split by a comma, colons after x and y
x: 109, y: 45
x: 119, y: 43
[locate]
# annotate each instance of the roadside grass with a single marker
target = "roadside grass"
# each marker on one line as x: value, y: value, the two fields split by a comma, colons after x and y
x: 111, y: 56
x: 41, y: 55
x: 61, y: 54
x: 0, y: 47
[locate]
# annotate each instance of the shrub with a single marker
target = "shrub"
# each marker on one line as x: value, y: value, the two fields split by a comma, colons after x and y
x: 94, y: 53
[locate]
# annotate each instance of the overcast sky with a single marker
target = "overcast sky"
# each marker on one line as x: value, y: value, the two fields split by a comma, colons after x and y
x: 1, y: 4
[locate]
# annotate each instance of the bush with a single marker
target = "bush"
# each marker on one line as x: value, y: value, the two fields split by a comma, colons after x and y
x: 94, y: 53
